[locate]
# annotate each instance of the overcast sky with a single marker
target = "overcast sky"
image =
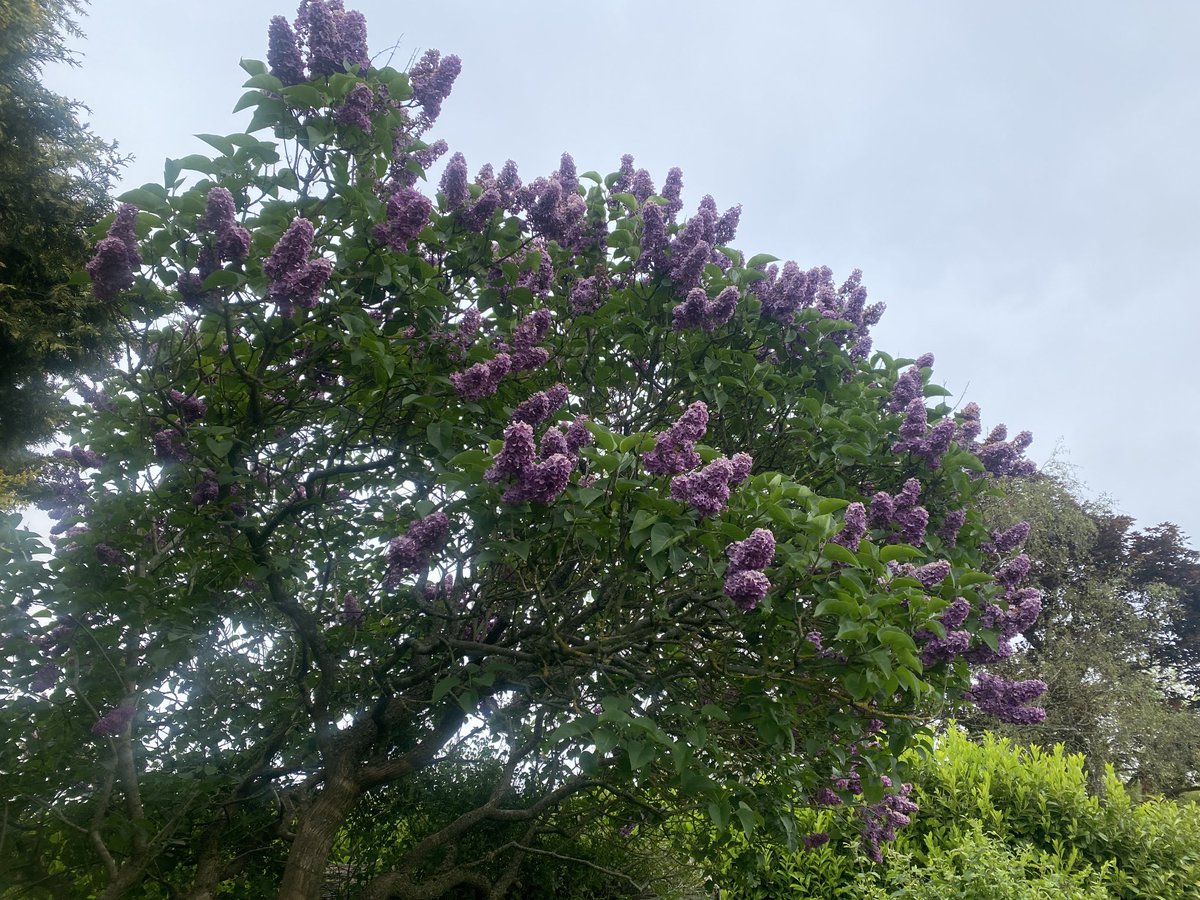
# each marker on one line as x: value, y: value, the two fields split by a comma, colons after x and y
x: 1018, y: 181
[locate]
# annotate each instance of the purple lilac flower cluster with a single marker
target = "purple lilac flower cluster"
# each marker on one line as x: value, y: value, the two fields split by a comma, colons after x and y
x: 917, y: 438
x: 294, y: 278
x: 697, y: 311
x: 880, y: 820
x: 854, y: 527
x: 535, y: 272
x: 407, y: 214
x: 952, y: 523
x: 334, y: 37
x: 191, y: 408
x: 1008, y: 540
x: 999, y: 456
x: 519, y: 353
x: 411, y: 551
x: 745, y: 582
x: 541, y: 406
x: 86, y: 459
x: 432, y: 79
x: 541, y: 474
x: 556, y: 209
x: 352, y: 611
x: 169, y: 445
x: 675, y: 449
x: 231, y: 242
x: 586, y: 294
x: 207, y: 491
x: 910, y: 385
x: 901, y: 510
x: 695, y: 243
x: 355, y: 110
x: 707, y: 489
x: 405, y: 158
x: 114, y: 722
x: 1008, y: 700
x: 482, y: 379
x: 538, y: 475
x: 111, y: 268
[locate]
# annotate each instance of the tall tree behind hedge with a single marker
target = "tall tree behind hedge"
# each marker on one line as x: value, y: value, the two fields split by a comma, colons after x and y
x: 1112, y: 642
x: 55, y: 176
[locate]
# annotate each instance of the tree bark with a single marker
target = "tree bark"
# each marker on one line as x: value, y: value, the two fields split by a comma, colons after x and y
x: 308, y: 858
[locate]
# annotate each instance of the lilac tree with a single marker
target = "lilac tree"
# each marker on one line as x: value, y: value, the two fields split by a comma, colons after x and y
x: 544, y: 470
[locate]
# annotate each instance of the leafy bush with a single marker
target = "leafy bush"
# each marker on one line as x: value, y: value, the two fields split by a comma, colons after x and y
x: 995, y: 821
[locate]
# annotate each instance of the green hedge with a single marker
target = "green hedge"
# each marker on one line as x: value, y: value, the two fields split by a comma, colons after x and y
x: 997, y: 822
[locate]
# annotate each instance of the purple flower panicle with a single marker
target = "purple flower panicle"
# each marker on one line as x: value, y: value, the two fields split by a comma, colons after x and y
x: 111, y: 268
x: 674, y: 449
x: 114, y: 722
x: 411, y: 551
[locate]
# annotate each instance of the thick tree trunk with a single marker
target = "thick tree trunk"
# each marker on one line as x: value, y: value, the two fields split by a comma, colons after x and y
x: 315, y: 832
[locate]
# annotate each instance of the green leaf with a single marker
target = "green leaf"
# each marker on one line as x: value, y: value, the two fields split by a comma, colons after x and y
x: 893, y: 552
x: 220, y: 143
x: 640, y: 753
x: 304, y: 95
x: 443, y: 687
x: 253, y: 66
x: 264, y: 81
x: 249, y: 99
x: 761, y: 259
x: 224, y: 279
x: 838, y: 553
x: 660, y: 536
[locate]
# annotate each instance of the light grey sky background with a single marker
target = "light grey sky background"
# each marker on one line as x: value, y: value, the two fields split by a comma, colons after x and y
x: 1019, y: 181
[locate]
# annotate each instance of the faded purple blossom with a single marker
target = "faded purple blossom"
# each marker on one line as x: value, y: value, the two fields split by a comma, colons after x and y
x: 336, y: 37
x: 293, y: 279
x: 755, y: 552
x: 913, y: 522
x: 932, y: 574
x: 697, y: 311
x: 454, y: 185
x: 114, y: 722
x: 541, y: 406
x: 814, y: 840
x: 355, y: 110
x: 585, y: 295
x: 283, y: 52
x: 1013, y: 572
x: 909, y: 386
x: 530, y: 332
x: 854, y: 527
x: 951, y: 525
x: 191, y: 409
x: 954, y: 644
x: 747, y: 588
x: 116, y: 259
x: 411, y: 551
x: 553, y: 443
x: 482, y: 379
x: 1008, y: 700
x: 517, y: 455
x: 1010, y: 539
x: 169, y: 446
x: 408, y: 213
x: 232, y: 241
x: 707, y: 489
x: 654, y: 238
x: 578, y: 434
x: 675, y: 448
x: 432, y: 79
x: 883, y: 509
x: 740, y: 465
x: 207, y: 491
x: 352, y: 612
x: 956, y: 613
x: 542, y: 482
